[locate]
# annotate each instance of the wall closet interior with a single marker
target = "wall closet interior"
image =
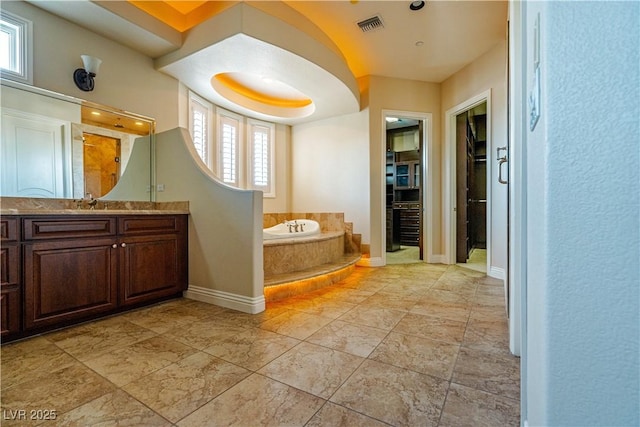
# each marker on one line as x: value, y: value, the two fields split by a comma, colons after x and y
x: 471, y: 179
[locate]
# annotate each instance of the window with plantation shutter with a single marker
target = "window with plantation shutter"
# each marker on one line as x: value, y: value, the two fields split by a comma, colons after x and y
x: 261, y: 156
x: 199, y: 126
x: 229, y: 146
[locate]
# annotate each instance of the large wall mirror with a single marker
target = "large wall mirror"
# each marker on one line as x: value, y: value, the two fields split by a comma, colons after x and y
x: 57, y: 146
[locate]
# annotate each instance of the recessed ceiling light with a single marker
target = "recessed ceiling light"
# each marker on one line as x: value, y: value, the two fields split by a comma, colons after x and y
x: 419, y: 43
x: 416, y: 5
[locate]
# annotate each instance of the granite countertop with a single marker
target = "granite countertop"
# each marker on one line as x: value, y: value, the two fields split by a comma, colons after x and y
x: 38, y: 206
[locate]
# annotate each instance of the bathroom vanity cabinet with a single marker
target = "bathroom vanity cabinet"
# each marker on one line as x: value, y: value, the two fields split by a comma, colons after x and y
x: 79, y: 267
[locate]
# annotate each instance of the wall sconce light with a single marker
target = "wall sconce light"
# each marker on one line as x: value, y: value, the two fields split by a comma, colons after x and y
x: 83, y: 77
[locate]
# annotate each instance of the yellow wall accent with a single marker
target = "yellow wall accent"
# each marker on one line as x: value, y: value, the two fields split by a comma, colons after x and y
x: 182, y: 15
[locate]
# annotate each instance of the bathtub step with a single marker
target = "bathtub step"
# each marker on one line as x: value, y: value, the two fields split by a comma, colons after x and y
x: 288, y: 284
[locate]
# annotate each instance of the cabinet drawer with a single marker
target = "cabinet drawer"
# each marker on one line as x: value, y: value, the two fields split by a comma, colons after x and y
x: 407, y: 205
x: 66, y: 227
x: 137, y: 225
x: 8, y: 229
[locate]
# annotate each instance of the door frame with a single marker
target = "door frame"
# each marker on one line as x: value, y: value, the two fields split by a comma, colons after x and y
x: 450, y: 221
x: 426, y: 178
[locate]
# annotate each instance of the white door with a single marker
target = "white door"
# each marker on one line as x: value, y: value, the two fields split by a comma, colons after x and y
x: 35, y: 158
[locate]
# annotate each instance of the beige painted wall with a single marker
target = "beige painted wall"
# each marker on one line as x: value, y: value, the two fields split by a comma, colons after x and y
x: 330, y: 168
x: 489, y: 72
x: 126, y: 80
x: 384, y: 93
x: 225, y: 227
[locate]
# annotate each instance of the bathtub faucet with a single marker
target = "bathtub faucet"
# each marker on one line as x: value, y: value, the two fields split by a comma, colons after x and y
x: 295, y: 225
x: 288, y: 224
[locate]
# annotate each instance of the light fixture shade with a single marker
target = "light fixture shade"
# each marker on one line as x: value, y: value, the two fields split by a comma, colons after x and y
x: 91, y: 64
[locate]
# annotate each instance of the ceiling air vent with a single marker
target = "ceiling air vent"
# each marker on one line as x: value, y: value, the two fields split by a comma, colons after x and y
x: 370, y: 24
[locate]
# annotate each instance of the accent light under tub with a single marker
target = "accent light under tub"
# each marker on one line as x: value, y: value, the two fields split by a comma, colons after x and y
x: 83, y: 77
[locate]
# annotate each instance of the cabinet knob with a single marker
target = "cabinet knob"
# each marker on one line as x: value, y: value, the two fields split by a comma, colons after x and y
x: 124, y: 245
x: 114, y: 246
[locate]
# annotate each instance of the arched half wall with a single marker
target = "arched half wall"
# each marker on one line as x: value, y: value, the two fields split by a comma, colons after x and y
x: 225, y: 227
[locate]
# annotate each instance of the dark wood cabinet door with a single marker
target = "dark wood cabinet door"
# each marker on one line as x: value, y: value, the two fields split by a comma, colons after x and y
x: 69, y: 280
x: 10, y: 283
x: 10, y: 290
x: 151, y: 267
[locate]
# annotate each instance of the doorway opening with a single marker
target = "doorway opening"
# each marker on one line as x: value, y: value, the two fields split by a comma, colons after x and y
x: 471, y: 188
x: 101, y: 164
x: 467, y: 196
x: 405, y: 165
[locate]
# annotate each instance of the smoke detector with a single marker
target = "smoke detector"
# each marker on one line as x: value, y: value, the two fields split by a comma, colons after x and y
x: 370, y: 24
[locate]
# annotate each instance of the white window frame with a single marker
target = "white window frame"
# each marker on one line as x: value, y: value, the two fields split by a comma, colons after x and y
x: 203, y: 106
x: 267, y: 189
x: 231, y: 119
x: 21, y: 52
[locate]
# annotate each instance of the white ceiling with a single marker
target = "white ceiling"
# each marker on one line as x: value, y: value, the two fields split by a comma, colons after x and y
x: 429, y: 45
x: 454, y: 33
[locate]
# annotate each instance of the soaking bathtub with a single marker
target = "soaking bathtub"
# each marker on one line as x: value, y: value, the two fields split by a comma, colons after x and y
x: 287, y: 229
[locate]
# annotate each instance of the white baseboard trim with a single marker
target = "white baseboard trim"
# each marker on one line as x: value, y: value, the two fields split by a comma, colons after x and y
x: 497, y: 273
x: 370, y: 262
x: 226, y: 299
x: 437, y: 259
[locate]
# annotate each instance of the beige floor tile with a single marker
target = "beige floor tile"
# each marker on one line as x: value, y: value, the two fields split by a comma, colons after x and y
x: 423, y: 328
x: 30, y: 360
x: 394, y: 395
x: 256, y: 401
x: 183, y: 387
x: 116, y: 409
x: 451, y: 310
x: 203, y: 334
x: 375, y: 317
x: 61, y: 391
x: 238, y: 318
x: 130, y: 363
x: 348, y: 337
x: 488, y: 371
x: 312, y: 368
x: 469, y: 407
x: 431, y: 327
x: 352, y: 296
x: 325, y: 307
x: 487, y: 335
x: 338, y: 416
x: 91, y: 340
x: 295, y: 324
x: 253, y: 348
x: 422, y: 355
x: 393, y: 301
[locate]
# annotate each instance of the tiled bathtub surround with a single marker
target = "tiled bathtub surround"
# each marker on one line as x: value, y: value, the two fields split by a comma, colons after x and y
x: 46, y: 206
x: 288, y: 255
x: 379, y: 348
x: 302, y: 265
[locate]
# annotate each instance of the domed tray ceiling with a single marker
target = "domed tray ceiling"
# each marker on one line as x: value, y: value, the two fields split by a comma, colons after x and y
x: 263, y: 94
x: 258, y: 65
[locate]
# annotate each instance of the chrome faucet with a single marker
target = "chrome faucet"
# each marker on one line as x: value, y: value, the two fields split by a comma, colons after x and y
x: 295, y: 226
x: 92, y: 204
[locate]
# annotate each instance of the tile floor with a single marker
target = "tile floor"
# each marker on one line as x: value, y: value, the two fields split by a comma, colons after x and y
x: 403, y: 345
